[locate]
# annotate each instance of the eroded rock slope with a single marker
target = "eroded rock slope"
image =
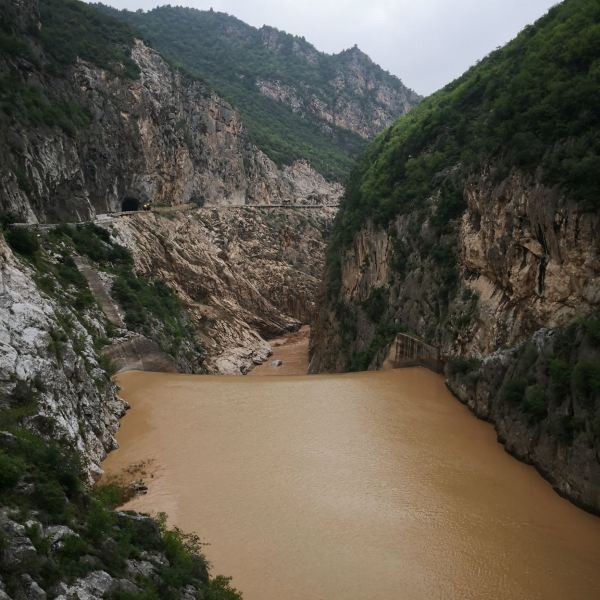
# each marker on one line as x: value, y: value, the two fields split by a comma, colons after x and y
x: 243, y: 274
x: 98, y: 137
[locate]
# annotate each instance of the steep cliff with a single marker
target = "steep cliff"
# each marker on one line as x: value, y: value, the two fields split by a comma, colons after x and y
x: 544, y: 398
x: 93, y: 120
x: 89, y: 130
x: 297, y: 102
x: 473, y: 223
x: 51, y: 374
x: 521, y: 257
x: 243, y: 274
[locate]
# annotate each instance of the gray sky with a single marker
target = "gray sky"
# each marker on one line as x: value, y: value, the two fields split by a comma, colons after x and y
x: 427, y: 43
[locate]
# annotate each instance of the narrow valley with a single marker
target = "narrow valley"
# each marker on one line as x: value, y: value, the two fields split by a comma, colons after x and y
x: 275, y: 326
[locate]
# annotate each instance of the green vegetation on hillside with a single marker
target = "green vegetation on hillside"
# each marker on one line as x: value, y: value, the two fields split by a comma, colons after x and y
x: 69, y: 30
x: 232, y: 56
x: 41, y: 484
x: 531, y: 108
x: 151, y: 307
x: 73, y: 29
x: 532, y: 105
x: 555, y: 385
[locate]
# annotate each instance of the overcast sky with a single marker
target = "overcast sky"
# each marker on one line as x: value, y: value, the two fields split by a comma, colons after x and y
x: 427, y: 43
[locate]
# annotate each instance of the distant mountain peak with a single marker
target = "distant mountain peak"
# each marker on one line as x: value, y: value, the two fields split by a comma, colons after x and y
x: 297, y: 102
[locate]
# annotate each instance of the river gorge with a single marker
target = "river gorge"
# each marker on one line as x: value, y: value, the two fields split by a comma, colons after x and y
x: 371, y: 485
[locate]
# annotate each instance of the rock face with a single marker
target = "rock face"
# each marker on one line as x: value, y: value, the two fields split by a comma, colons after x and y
x: 138, y: 353
x: 358, y: 97
x: 541, y: 399
x: 526, y: 258
x: 243, y: 274
x: 49, y: 366
x: 159, y: 138
x: 532, y: 258
x: 298, y: 102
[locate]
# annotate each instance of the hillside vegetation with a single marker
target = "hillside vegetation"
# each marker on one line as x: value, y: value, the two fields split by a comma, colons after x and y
x: 69, y: 30
x: 473, y: 223
x: 57, y: 534
x: 233, y: 56
x: 531, y: 105
x: 528, y: 110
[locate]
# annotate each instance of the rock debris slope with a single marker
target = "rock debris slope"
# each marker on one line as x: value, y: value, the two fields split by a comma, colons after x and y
x: 243, y: 274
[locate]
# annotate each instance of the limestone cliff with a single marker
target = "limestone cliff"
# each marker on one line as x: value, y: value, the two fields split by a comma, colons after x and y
x: 113, y: 123
x: 298, y: 102
x: 49, y: 364
x: 243, y: 274
x: 361, y: 98
x: 521, y: 257
x: 156, y: 136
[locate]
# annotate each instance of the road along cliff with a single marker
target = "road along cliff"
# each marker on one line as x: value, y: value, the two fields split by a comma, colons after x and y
x: 95, y: 132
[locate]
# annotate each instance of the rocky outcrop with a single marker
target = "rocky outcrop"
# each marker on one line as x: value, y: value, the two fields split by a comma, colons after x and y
x: 521, y: 257
x: 358, y: 95
x: 542, y: 400
x: 161, y: 138
x: 49, y: 366
x: 243, y: 274
x: 531, y: 256
x: 101, y: 554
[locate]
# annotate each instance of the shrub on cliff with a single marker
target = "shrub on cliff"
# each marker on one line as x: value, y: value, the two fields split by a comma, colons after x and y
x: 11, y: 469
x: 23, y: 240
x: 586, y: 376
x: 535, y: 403
x: 463, y: 365
x: 90, y: 536
x: 513, y: 391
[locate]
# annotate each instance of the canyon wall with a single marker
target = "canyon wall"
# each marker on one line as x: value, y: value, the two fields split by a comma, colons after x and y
x: 86, y: 136
x: 473, y: 224
x: 521, y: 257
x: 502, y: 287
x: 158, y: 137
x: 243, y: 274
x: 50, y: 368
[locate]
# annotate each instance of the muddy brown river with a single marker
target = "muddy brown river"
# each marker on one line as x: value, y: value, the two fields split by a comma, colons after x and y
x: 370, y: 486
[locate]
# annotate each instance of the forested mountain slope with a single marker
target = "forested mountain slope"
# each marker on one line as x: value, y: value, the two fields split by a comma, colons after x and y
x: 91, y: 118
x: 474, y: 222
x: 297, y: 102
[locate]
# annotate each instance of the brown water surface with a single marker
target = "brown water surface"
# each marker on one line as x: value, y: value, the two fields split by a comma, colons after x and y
x: 370, y: 486
x: 292, y: 350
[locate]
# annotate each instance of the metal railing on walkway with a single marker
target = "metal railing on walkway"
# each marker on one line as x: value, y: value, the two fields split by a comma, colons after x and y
x: 410, y: 351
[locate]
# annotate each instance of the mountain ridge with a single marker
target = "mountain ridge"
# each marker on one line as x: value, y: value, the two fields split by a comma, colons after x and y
x: 297, y: 102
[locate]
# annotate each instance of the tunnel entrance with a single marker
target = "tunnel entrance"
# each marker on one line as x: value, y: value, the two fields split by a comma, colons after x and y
x: 130, y: 204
